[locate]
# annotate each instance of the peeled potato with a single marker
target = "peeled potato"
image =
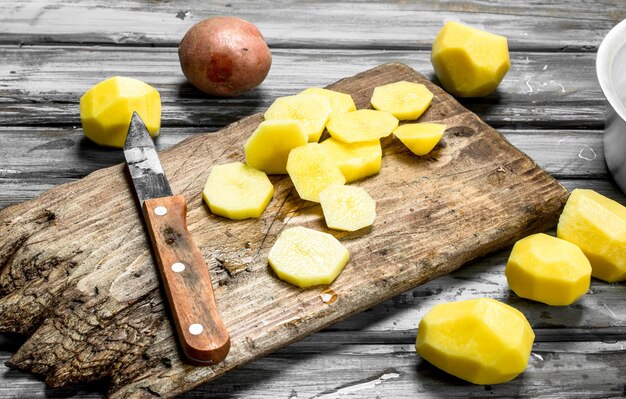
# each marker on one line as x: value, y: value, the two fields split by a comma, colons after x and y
x: 420, y: 138
x: 361, y: 125
x: 596, y: 224
x: 549, y: 270
x: 340, y: 103
x: 469, y: 62
x: 347, y: 208
x: 237, y: 191
x: 355, y: 160
x: 482, y: 340
x: 312, y: 110
x: 224, y: 56
x: 306, y: 257
x: 106, y: 109
x: 311, y: 170
x: 404, y: 100
x: 269, y: 146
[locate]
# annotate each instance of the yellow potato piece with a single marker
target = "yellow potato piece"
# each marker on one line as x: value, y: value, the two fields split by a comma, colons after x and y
x: 311, y: 170
x: 106, y: 109
x: 355, y: 160
x: 482, y: 341
x: 549, y: 270
x: 306, y: 257
x: 268, y: 147
x: 347, y: 208
x: 404, y: 100
x: 597, y: 225
x: 237, y: 191
x: 420, y: 138
x: 469, y: 62
x: 361, y: 125
x: 340, y: 103
x: 312, y: 110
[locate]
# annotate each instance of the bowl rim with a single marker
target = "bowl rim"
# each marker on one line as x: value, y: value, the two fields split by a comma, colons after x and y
x: 612, y: 42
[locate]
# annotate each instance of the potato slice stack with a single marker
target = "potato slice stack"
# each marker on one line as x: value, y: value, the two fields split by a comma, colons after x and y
x: 287, y: 142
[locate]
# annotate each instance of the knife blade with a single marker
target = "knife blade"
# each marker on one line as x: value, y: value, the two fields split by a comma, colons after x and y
x: 201, y: 332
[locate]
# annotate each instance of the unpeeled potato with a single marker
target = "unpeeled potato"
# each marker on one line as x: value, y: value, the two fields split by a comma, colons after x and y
x: 224, y: 56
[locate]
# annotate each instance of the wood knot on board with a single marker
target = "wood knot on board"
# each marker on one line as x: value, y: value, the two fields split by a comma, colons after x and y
x: 170, y: 235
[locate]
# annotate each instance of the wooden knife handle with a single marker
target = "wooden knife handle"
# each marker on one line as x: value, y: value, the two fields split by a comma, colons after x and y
x: 185, y: 275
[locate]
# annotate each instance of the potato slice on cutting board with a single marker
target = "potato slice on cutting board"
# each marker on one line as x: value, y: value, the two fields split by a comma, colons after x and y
x: 404, y: 100
x: 340, y: 103
x: 361, y: 125
x: 420, y: 138
x: 347, y: 208
x: 237, y: 191
x: 311, y: 170
x: 306, y: 257
x: 312, y: 110
x: 268, y: 147
x: 355, y: 160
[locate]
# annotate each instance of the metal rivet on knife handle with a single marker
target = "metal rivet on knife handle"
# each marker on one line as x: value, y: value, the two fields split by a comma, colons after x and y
x: 196, y: 329
x: 160, y: 210
x: 178, y: 267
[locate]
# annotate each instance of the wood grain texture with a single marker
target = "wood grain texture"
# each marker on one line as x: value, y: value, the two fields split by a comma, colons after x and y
x: 189, y: 291
x: 96, y: 296
x: 555, y: 25
x: 40, y: 86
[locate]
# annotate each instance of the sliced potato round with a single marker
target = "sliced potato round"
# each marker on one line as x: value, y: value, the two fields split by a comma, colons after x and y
x: 355, y: 160
x: 340, y: 103
x: 306, y: 257
x: 268, y: 147
x: 347, y: 208
x: 311, y: 170
x: 361, y: 125
x: 312, y: 110
x: 237, y: 191
x: 404, y: 100
x: 420, y: 138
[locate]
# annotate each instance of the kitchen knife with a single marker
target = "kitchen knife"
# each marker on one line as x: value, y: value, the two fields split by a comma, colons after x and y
x: 184, y: 273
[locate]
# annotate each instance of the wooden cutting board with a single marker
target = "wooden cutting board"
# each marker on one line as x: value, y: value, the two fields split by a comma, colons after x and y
x: 76, y: 271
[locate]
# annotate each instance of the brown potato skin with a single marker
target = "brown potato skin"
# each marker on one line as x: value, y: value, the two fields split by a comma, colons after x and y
x: 224, y: 56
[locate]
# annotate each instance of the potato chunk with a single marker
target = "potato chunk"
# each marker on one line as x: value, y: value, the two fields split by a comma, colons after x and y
x: 268, y: 147
x: 306, y: 257
x: 356, y: 160
x: 549, y: 270
x: 237, y: 191
x: 106, y: 109
x: 340, y: 103
x: 361, y: 125
x: 482, y: 341
x: 404, y: 100
x: 469, y: 62
x: 347, y: 208
x: 311, y: 170
x: 420, y: 138
x: 597, y: 225
x: 312, y: 110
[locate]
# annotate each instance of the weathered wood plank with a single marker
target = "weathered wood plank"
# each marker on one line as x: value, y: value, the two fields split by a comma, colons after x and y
x: 327, y: 365
x: 102, y: 282
x: 559, y: 25
x: 40, y: 86
x: 48, y: 153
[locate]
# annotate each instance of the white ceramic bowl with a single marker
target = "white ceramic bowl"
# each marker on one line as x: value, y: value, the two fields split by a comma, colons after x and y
x: 611, y: 71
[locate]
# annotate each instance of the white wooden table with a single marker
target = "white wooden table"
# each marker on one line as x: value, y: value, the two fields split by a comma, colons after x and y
x: 549, y: 105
